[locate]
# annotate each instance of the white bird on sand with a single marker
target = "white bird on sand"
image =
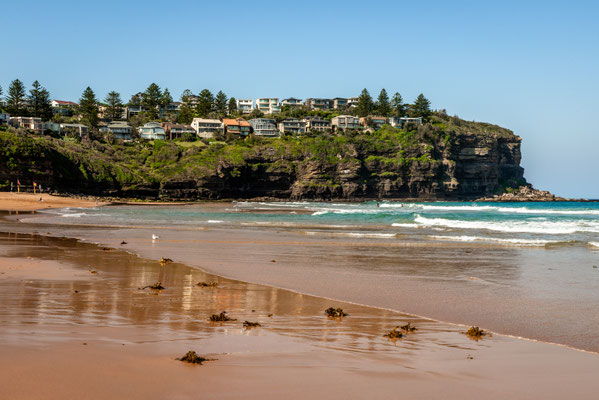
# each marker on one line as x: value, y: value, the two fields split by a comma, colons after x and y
x: 154, y: 237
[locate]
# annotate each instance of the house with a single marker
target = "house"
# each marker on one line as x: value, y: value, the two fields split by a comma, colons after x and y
x: 74, y: 130
x: 317, y: 124
x: 152, y: 131
x: 31, y: 123
x: 319, y: 104
x: 339, y: 103
x: 237, y: 127
x: 292, y: 127
x: 245, y: 106
x: 51, y: 126
x: 268, y: 105
x: 207, y: 128
x: 176, y: 131
x: 264, y: 127
x: 399, y: 122
x: 292, y: 102
x: 352, y: 101
x: 119, y: 129
x: 172, y: 108
x: 4, y: 118
x: 375, y: 122
x: 66, y: 108
x: 344, y: 122
x: 133, y: 110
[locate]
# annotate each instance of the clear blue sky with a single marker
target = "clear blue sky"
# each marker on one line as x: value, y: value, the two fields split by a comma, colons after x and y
x: 531, y: 66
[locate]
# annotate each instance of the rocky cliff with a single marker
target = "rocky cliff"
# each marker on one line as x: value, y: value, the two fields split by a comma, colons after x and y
x: 447, y: 158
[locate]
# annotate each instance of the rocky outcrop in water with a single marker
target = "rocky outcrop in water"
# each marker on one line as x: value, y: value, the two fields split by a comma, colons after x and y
x: 522, y: 194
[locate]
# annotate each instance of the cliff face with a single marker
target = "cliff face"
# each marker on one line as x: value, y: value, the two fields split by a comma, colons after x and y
x: 435, y: 161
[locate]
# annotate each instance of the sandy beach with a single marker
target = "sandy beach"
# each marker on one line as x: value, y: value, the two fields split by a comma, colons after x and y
x: 76, y: 324
x: 29, y: 202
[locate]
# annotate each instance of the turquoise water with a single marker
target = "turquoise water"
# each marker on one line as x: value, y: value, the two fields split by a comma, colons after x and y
x: 520, y: 224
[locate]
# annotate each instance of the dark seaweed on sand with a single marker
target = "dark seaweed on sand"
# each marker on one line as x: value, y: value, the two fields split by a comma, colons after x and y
x: 248, y: 324
x: 193, y: 358
x: 222, y: 317
x: 394, y: 334
x: 207, y: 284
x: 335, y: 312
x: 156, y: 286
x: 476, y: 333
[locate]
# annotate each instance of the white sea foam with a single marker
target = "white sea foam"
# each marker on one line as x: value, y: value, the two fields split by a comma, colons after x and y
x: 214, y: 221
x: 594, y: 244
x: 401, y: 225
x: 354, y: 234
x: 522, y: 242
x: 540, y: 227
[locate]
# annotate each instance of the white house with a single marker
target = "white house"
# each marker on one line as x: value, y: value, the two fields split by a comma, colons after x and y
x: 245, y: 106
x: 120, y: 130
x: 152, y: 131
x: 292, y: 127
x: 268, y: 105
x: 207, y: 128
x: 346, y: 122
x: 31, y: 123
x: 264, y: 127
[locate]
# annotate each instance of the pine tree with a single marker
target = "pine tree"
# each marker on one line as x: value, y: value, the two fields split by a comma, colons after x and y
x: 39, y: 102
x: 16, y: 102
x: 135, y: 100
x: 185, y: 96
x: 166, y: 98
x: 151, y: 100
x: 365, y: 104
x: 421, y: 107
x: 114, y: 109
x: 232, y: 106
x: 220, y: 103
x: 88, y: 107
x: 186, y: 114
x: 205, y: 103
x: 383, y: 107
x: 397, y: 105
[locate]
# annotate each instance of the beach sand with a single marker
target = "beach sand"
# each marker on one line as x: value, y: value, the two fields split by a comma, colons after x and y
x: 75, y: 324
x: 71, y: 333
x: 29, y: 202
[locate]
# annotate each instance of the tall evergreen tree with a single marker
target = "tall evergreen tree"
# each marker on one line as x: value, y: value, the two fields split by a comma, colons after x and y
x: 16, y: 101
x: 166, y: 98
x: 220, y: 103
x: 151, y: 100
x: 421, y: 107
x: 114, y: 109
x: 186, y: 114
x: 397, y: 105
x: 365, y: 104
x: 39, y: 102
x: 205, y: 103
x: 383, y: 106
x: 185, y: 96
x: 88, y: 107
x: 135, y: 100
x: 232, y: 105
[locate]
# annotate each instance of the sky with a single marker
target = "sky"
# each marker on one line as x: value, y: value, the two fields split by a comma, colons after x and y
x: 530, y: 66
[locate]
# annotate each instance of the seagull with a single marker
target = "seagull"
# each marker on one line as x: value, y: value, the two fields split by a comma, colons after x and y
x: 154, y: 237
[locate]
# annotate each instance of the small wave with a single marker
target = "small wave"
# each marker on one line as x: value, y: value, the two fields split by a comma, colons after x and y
x: 402, y: 225
x: 354, y: 234
x: 524, y: 242
x: 594, y: 244
x: 214, y: 221
x: 74, y: 215
x: 539, y: 227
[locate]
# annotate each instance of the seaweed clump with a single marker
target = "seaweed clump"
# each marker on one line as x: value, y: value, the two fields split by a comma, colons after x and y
x: 394, y: 334
x: 222, y: 317
x: 207, y: 284
x: 476, y: 333
x: 156, y: 286
x: 335, y: 312
x: 193, y: 358
x: 249, y: 325
x: 164, y: 261
x: 407, y: 328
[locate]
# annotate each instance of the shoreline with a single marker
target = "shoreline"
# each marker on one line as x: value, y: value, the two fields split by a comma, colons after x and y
x: 438, y: 353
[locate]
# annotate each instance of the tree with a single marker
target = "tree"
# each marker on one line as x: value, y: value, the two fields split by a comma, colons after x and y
x: 365, y: 104
x: 220, y: 103
x: 135, y: 100
x: 421, y: 107
x: 166, y: 98
x: 186, y: 114
x: 205, y: 103
x: 397, y: 105
x: 16, y: 103
x: 39, y: 102
x: 114, y: 109
x: 383, y: 106
x: 232, y: 105
x: 151, y: 100
x: 88, y: 107
x: 185, y: 96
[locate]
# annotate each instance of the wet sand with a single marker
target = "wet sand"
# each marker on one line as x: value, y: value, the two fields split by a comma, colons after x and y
x: 70, y: 333
x: 28, y: 201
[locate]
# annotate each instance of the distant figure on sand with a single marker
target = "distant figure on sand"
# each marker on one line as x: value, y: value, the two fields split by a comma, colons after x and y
x: 154, y: 237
